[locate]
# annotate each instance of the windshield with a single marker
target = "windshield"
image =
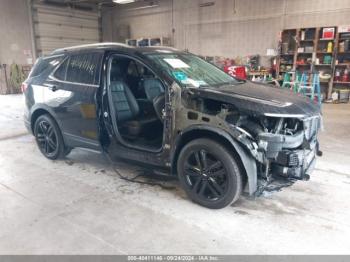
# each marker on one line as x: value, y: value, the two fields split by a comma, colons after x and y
x: 191, y: 71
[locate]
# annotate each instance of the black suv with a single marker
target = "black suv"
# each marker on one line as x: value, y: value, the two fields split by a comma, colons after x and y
x: 174, y: 112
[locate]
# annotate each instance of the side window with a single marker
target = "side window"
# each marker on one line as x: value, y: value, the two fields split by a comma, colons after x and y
x: 62, y: 70
x: 136, y: 69
x: 45, y: 65
x: 84, y: 68
x: 147, y: 73
x: 133, y: 69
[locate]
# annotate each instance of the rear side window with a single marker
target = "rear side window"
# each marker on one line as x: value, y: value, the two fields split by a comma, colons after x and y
x: 84, y: 68
x: 61, y: 71
x: 45, y: 65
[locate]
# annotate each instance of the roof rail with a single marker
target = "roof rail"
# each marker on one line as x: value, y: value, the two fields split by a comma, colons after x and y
x: 89, y: 45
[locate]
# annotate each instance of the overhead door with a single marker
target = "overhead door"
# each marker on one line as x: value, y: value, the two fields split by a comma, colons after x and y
x: 58, y: 27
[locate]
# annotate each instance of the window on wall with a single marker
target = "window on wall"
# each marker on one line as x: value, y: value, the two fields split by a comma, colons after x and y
x: 82, y: 68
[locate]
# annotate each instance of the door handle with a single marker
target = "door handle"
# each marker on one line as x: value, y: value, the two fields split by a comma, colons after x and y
x: 53, y: 88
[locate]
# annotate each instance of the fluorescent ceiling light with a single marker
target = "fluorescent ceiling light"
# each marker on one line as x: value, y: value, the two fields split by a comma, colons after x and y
x: 143, y: 7
x: 123, y: 1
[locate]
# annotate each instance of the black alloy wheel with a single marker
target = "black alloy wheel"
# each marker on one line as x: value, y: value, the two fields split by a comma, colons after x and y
x: 49, y: 138
x: 209, y: 173
x: 206, y: 175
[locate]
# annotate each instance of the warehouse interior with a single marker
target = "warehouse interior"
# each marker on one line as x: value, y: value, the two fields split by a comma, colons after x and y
x: 81, y: 205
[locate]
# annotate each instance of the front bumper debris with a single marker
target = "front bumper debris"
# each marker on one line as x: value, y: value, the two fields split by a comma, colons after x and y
x: 291, y: 156
x: 300, y: 164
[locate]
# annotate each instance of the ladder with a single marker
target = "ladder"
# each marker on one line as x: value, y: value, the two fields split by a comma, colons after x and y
x: 311, y: 89
x: 288, y: 80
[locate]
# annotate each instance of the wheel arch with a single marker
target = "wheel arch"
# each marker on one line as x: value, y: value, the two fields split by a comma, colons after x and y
x: 246, y: 162
x: 39, y: 111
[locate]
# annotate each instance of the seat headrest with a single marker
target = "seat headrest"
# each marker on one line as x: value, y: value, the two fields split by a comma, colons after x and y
x: 116, y: 72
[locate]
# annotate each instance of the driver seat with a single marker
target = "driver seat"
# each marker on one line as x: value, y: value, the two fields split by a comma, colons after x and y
x: 153, y: 88
x: 129, y: 119
x: 155, y: 94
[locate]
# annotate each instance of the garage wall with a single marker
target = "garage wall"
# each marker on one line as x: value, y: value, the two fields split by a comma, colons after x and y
x: 228, y: 28
x: 125, y: 20
x: 15, y: 36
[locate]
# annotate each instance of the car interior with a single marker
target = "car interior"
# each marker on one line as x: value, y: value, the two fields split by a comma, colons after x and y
x: 138, y: 99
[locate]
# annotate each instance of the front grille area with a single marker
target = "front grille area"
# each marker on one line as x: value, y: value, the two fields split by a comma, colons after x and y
x: 293, y: 160
x: 288, y: 158
x: 294, y: 164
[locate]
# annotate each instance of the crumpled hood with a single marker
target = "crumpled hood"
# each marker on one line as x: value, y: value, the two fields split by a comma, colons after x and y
x: 261, y: 99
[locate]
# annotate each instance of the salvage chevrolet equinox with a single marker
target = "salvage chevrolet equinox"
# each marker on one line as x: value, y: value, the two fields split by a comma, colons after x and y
x: 175, y: 112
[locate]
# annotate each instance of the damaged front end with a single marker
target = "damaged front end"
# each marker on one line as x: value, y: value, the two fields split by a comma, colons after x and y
x: 279, y: 143
x: 289, y: 146
x: 282, y: 145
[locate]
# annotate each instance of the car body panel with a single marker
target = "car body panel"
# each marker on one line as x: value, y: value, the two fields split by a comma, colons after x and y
x: 262, y: 99
x: 72, y: 105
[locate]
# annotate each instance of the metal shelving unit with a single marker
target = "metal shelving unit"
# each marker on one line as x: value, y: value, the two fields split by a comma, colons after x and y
x: 306, y: 50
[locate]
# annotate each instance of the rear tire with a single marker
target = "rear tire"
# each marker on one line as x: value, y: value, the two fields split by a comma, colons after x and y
x: 209, y: 173
x: 49, y: 138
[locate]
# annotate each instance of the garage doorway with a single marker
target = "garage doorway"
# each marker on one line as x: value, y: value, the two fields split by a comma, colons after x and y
x: 58, y: 27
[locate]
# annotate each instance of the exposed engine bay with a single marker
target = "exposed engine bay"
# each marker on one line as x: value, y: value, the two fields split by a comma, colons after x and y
x: 281, y: 145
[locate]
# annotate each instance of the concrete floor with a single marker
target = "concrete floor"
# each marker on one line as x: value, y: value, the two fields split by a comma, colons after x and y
x: 80, y: 206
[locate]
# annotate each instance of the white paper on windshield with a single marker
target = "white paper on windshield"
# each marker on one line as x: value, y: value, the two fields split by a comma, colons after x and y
x: 176, y: 63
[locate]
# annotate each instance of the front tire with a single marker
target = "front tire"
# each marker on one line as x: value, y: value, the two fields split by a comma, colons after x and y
x: 209, y: 173
x: 49, y: 138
